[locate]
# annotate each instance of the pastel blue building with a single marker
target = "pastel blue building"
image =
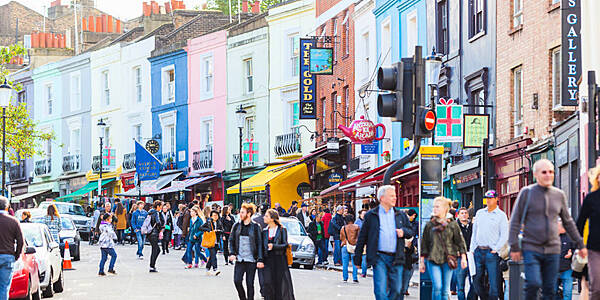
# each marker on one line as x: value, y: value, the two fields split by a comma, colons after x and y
x: 169, y: 76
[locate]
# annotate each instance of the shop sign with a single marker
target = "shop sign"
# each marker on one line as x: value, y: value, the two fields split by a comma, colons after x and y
x: 333, y: 145
x: 466, y: 178
x: 180, y: 185
x: 477, y: 129
x: 335, y: 178
x: 77, y: 183
x: 321, y: 61
x: 43, y: 186
x: 362, y: 131
x: 571, y: 69
x: 369, y: 148
x: 449, y: 126
x: 430, y: 175
x: 308, y: 85
x: 109, y: 159
x: 147, y: 166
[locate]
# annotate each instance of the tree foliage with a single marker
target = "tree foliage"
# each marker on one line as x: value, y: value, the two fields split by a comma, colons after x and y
x: 223, y: 5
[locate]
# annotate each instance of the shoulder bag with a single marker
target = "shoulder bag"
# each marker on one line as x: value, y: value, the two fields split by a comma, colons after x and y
x: 209, y: 238
x: 350, y: 248
x: 523, y: 218
x: 451, y: 259
x: 288, y: 251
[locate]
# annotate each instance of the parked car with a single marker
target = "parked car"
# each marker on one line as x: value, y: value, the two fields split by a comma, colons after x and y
x: 303, y: 248
x: 47, y: 252
x: 75, y: 212
x: 25, y: 282
x: 68, y: 234
x: 35, y: 213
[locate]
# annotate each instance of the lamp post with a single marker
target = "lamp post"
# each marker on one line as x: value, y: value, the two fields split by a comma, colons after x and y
x: 241, y: 119
x: 5, y: 93
x: 433, y: 67
x: 101, y: 126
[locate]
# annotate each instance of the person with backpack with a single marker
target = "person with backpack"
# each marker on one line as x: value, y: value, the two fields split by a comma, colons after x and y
x: 154, y: 226
x: 107, y: 245
x: 348, y: 238
x: 137, y: 220
x: 210, y: 242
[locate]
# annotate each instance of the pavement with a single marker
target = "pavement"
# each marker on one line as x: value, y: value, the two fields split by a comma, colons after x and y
x: 133, y: 281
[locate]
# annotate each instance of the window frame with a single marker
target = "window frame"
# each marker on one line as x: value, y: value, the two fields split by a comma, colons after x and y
x: 72, y: 138
x: 208, y: 75
x: 137, y: 84
x: 106, y: 87
x: 477, y: 8
x: 49, y: 98
x: 165, y: 81
x: 517, y: 16
x: 294, y: 58
x: 517, y: 102
x: 335, y: 36
x: 346, y: 34
x: 75, y: 100
x: 442, y: 27
x: 248, y: 75
x: 556, y: 61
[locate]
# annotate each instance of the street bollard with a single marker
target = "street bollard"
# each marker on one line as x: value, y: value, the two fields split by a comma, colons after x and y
x: 426, y: 287
x: 516, y: 280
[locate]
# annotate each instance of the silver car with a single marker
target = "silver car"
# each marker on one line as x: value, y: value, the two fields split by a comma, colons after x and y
x: 303, y: 248
x: 75, y: 212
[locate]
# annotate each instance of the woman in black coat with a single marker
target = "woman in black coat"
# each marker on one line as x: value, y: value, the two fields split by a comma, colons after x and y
x: 158, y: 225
x: 316, y: 232
x: 277, y: 278
x: 212, y: 225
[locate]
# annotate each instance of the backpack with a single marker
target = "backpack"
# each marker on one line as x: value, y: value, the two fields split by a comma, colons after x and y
x: 180, y: 221
x: 146, y: 226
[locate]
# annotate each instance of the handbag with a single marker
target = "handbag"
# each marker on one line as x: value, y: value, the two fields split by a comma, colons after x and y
x: 209, y: 238
x: 349, y: 247
x: 578, y: 263
x: 523, y: 219
x: 451, y: 259
x: 288, y: 254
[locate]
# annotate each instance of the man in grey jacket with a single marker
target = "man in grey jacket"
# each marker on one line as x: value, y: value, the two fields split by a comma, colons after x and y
x: 542, y: 205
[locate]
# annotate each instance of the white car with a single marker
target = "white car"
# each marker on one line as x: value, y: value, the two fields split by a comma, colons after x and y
x: 48, y: 257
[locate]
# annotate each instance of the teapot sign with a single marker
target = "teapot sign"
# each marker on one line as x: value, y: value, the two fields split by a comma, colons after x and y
x: 362, y: 131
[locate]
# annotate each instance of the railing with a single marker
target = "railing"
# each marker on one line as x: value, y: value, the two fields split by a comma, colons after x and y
x: 203, y: 159
x: 129, y: 161
x: 17, y: 172
x: 71, y: 163
x: 96, y: 163
x: 245, y: 164
x: 288, y: 144
x: 168, y: 160
x: 43, y: 167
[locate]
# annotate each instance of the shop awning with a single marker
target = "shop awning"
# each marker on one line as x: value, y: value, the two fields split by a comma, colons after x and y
x: 354, y: 181
x: 17, y: 199
x: 150, y: 187
x: 90, y: 187
x: 259, y: 181
x: 397, y: 175
x: 186, y: 183
x: 330, y: 189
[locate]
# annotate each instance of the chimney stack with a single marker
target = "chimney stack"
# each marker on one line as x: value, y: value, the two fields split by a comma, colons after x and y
x: 256, y: 7
x: 245, y: 6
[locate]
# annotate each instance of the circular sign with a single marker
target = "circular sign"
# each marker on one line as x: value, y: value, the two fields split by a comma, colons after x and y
x: 152, y: 146
x: 429, y: 120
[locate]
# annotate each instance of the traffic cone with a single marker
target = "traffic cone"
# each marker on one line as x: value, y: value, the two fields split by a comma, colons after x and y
x: 67, y: 258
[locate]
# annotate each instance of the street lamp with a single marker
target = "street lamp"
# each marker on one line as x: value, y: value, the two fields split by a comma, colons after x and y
x: 5, y: 93
x: 433, y: 67
x: 101, y: 127
x: 241, y: 119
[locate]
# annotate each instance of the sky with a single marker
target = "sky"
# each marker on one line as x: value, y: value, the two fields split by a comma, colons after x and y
x: 123, y: 9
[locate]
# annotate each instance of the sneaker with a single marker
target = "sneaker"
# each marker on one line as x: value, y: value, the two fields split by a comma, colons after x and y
x: 364, y: 275
x: 326, y: 263
x: 355, y: 280
x: 406, y: 293
x: 453, y: 293
x: 195, y: 266
x: 140, y: 257
x: 153, y: 270
x: 345, y: 280
x: 217, y: 272
x: 101, y: 274
x: 112, y: 272
x: 188, y: 266
x: 209, y: 273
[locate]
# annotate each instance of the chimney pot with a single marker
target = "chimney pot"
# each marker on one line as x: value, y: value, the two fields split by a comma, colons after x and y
x: 155, y: 8
x: 35, y: 40
x: 245, y: 6
x: 98, y: 24
x: 91, y: 24
x: 109, y: 23
x: 146, y: 9
x: 168, y: 7
x: 118, y: 29
x: 104, y: 23
x: 256, y: 7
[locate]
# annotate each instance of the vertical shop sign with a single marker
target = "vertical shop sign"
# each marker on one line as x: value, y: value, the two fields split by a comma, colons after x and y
x: 308, y: 109
x: 430, y: 175
x: 570, y: 51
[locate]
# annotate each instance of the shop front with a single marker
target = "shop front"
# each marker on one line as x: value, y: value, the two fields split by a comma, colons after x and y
x: 16, y: 191
x: 466, y: 179
x: 208, y: 189
x: 566, y: 162
x: 110, y: 189
x: 128, y: 181
x: 512, y: 167
x: 231, y: 178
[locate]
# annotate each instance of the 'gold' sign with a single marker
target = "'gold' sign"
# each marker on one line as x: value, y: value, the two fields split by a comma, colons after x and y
x: 308, y: 83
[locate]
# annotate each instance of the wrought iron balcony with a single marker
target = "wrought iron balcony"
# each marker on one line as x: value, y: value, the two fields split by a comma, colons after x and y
x: 96, y: 163
x: 203, y: 159
x: 43, y: 167
x: 71, y: 163
x: 288, y: 144
x: 245, y: 164
x: 129, y: 161
x: 17, y: 172
x: 168, y: 160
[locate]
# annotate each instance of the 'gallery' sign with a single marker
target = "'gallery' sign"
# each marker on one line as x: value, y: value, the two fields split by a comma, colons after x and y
x: 308, y: 83
x: 571, y: 51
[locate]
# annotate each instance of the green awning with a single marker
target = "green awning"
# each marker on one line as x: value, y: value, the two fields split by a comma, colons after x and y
x: 90, y: 187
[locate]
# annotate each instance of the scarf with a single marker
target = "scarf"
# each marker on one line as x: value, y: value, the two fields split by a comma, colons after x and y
x: 439, y: 224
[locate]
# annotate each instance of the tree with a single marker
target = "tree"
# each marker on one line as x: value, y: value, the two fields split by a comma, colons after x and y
x: 23, y: 138
x: 223, y: 5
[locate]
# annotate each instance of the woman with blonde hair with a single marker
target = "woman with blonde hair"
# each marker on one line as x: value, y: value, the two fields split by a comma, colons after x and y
x: 441, y: 243
x: 590, y: 214
x: 52, y: 220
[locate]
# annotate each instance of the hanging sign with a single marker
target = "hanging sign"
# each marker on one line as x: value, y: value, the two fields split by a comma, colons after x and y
x: 335, y: 178
x: 369, y: 148
x: 333, y: 145
x: 477, y: 128
x: 109, y: 159
x: 430, y: 175
x: 321, y: 61
x: 308, y: 108
x: 570, y: 51
x: 362, y: 131
x: 250, y: 153
x: 449, y: 126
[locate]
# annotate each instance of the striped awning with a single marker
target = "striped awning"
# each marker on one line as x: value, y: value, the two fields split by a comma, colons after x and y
x: 186, y: 183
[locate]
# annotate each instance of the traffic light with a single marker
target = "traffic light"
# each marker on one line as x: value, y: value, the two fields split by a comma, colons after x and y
x: 425, y: 122
x: 398, y: 79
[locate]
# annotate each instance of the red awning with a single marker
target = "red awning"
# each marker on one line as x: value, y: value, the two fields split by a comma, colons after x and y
x: 350, y: 183
x: 398, y: 174
x: 330, y: 189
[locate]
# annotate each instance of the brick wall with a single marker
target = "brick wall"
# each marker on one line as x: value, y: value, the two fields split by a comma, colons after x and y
x: 528, y: 46
x: 343, y: 73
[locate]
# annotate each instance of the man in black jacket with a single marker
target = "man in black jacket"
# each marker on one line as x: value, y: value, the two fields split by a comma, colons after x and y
x: 466, y: 229
x: 245, y: 248
x: 383, y: 233
x: 335, y: 225
x: 303, y: 215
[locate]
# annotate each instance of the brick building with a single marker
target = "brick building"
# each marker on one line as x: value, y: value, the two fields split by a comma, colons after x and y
x: 335, y: 92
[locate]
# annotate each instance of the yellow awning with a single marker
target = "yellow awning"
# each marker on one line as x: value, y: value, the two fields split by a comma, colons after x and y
x: 257, y: 182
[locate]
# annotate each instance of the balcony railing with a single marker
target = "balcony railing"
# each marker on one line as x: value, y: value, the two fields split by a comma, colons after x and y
x: 71, y: 163
x: 236, y: 162
x: 96, y: 165
x: 129, y: 161
x: 288, y: 144
x: 203, y: 159
x: 17, y: 172
x: 43, y: 167
x: 168, y: 160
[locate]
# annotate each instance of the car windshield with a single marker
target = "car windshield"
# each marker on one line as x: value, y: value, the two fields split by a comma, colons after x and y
x: 33, y: 235
x: 66, y: 209
x: 293, y: 227
x: 65, y: 223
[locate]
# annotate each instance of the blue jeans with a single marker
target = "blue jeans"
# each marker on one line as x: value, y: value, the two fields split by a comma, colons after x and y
x: 406, y: 276
x: 7, y: 262
x: 141, y: 239
x: 387, y: 278
x: 363, y: 265
x: 485, y: 260
x: 197, y: 248
x: 440, y: 275
x: 461, y: 275
x: 337, y: 251
x: 322, y: 250
x: 566, y: 278
x: 348, y: 257
x: 453, y: 281
x: 541, y: 271
x: 113, y: 258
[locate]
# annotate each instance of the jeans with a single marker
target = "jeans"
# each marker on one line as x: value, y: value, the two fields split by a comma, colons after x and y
x: 461, y: 275
x: 212, y: 260
x: 407, y: 274
x: 387, y: 278
x: 337, y: 252
x: 141, y: 239
x: 348, y: 257
x: 485, y: 260
x: 7, y: 263
x: 363, y: 265
x: 153, y: 238
x: 165, y: 241
x: 239, y: 270
x: 566, y: 278
x: 120, y: 235
x: 113, y: 258
x: 322, y: 250
x: 196, y: 247
x: 453, y: 281
x: 541, y: 271
x: 440, y: 275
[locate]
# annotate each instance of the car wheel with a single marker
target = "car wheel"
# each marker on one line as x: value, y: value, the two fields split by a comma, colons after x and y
x: 60, y: 284
x: 309, y: 267
x: 49, y: 290
x: 77, y: 255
